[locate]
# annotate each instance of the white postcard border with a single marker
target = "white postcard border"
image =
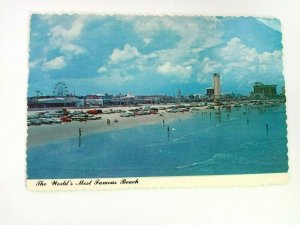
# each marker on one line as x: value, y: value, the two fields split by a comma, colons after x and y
x: 156, y: 182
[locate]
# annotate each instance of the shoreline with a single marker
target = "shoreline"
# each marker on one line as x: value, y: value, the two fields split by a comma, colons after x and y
x: 43, y: 134
x: 38, y: 135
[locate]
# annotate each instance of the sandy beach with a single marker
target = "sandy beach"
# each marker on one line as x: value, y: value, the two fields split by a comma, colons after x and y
x: 50, y: 133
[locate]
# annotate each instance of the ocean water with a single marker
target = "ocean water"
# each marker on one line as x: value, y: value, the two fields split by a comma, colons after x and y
x: 246, y: 140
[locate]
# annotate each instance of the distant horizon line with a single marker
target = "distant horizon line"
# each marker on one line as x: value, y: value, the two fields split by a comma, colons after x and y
x: 122, y: 94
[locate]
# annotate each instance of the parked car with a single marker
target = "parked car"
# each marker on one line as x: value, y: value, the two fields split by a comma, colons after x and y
x: 65, y: 119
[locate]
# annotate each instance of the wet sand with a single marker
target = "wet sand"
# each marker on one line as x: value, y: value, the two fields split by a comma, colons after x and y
x: 49, y: 133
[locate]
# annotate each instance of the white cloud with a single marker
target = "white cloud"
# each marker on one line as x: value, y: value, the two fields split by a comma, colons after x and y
x: 178, y: 72
x: 72, y: 48
x: 69, y: 34
x: 102, y: 69
x: 236, y: 55
x: 129, y: 52
x: 113, y: 76
x: 194, y: 32
x: 64, y: 32
x: 121, y: 62
x: 195, y: 35
x: 169, y: 68
x: 63, y: 38
x: 206, y: 68
x: 273, y: 60
x: 147, y: 41
x: 235, y: 50
x: 55, y: 64
x: 209, y: 66
x: 238, y: 62
x: 35, y: 63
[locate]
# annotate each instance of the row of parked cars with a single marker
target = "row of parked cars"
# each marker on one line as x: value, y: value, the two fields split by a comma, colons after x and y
x: 60, y: 116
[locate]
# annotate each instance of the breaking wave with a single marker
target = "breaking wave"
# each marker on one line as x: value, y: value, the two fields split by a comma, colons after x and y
x: 216, y: 158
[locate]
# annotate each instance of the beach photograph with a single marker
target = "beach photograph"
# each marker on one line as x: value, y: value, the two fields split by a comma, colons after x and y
x: 119, y: 96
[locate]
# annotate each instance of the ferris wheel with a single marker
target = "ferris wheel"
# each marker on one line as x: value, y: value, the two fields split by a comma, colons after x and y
x: 60, y: 89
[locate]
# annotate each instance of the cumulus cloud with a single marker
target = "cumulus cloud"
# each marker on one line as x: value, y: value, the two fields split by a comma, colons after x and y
x: 193, y: 35
x: 181, y: 73
x: 179, y: 61
x: 119, y: 55
x: 147, y: 41
x: 55, y: 64
x: 35, y: 63
x: 239, y: 63
x: 169, y: 68
x: 169, y: 48
x: 69, y: 34
x: 102, y: 69
x: 194, y: 32
x: 271, y: 61
x: 72, y: 48
x: 115, y: 76
x: 63, y: 38
x: 235, y: 50
x: 237, y: 55
x: 206, y: 68
x: 120, y: 65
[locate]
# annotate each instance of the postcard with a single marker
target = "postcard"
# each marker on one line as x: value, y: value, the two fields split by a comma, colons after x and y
x: 131, y: 101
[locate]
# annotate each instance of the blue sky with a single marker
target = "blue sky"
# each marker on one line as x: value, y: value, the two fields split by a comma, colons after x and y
x: 153, y: 55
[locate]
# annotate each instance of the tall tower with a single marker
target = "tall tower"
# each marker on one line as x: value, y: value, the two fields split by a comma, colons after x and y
x: 179, y: 96
x: 217, y: 86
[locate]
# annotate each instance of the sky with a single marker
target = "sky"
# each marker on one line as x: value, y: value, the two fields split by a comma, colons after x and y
x: 144, y: 55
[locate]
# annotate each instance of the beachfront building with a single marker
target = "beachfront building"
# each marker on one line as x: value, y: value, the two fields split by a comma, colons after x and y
x: 51, y: 102
x: 153, y: 99
x: 192, y: 98
x: 217, y: 86
x: 118, y: 100
x: 210, y: 92
x: 94, y: 100
x: 263, y: 91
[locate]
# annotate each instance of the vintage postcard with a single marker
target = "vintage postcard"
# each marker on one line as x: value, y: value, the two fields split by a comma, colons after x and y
x: 129, y: 101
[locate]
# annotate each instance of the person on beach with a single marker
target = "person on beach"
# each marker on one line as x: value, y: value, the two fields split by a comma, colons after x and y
x: 108, y: 121
x: 79, y: 138
x: 168, y: 129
